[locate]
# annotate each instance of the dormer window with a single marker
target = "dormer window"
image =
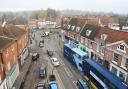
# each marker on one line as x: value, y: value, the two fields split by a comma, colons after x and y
x: 88, y: 32
x: 73, y: 27
x: 69, y: 26
x: 77, y: 29
x: 121, y: 47
x: 103, y: 37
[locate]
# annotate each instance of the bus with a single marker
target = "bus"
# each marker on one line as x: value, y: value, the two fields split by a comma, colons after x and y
x: 74, y: 55
x: 100, y: 78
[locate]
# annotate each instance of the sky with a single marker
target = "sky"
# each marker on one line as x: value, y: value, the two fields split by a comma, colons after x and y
x: 116, y: 6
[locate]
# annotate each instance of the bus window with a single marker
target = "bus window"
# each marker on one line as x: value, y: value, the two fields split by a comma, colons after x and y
x: 80, y: 65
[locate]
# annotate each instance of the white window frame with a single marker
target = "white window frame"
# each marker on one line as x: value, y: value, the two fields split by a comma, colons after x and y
x: 78, y: 29
x: 119, y: 48
x: 73, y: 27
x: 88, y: 32
x: 69, y: 26
x: 103, y: 37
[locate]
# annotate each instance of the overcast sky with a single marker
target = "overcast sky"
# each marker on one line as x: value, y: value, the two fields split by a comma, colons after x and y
x: 118, y: 6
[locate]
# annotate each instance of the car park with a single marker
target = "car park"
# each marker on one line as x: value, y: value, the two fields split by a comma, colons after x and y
x: 40, y: 86
x: 42, y: 71
x: 55, y: 61
x: 82, y: 84
x: 35, y: 56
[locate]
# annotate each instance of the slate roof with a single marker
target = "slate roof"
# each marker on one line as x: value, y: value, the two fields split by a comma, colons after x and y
x: 94, y: 28
x: 73, y: 22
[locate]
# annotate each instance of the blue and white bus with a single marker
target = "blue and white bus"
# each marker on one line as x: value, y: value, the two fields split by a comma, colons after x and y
x: 97, y: 76
x: 74, y: 55
x: 101, y: 78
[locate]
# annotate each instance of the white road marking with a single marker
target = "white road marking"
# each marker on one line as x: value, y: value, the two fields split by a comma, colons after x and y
x: 74, y: 82
x: 68, y: 72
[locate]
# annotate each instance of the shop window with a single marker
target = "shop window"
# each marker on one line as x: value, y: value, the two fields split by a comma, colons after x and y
x: 122, y: 75
x: 80, y: 65
x: 114, y: 70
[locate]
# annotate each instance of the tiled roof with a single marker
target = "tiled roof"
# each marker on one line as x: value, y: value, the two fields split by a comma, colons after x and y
x: 93, y: 21
x: 80, y: 23
x: 65, y: 21
x: 113, y: 35
x: 94, y: 30
x: 11, y: 31
x: 4, y: 42
x: 23, y: 27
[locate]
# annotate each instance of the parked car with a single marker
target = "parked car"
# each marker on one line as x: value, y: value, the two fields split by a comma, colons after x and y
x: 52, y: 78
x: 52, y: 82
x: 50, y: 53
x: 35, y: 56
x: 40, y: 86
x: 82, y: 84
x: 42, y: 71
x: 55, y: 61
x: 41, y: 43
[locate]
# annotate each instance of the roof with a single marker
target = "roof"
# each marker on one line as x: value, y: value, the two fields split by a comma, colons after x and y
x: 73, y: 22
x: 93, y: 21
x: 80, y: 52
x: 94, y: 30
x: 11, y: 31
x: 113, y: 35
x: 23, y: 27
x: 110, y: 76
x: 54, y: 86
x: 4, y: 42
x: 80, y: 23
x: 70, y: 45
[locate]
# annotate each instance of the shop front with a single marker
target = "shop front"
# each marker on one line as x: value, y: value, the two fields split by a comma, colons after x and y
x: 12, y: 75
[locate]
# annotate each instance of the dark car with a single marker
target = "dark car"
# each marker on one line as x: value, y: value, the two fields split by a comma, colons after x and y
x: 42, y: 71
x: 52, y: 78
x: 35, y: 56
x: 40, y: 86
x: 50, y: 53
x: 83, y: 84
x: 41, y: 43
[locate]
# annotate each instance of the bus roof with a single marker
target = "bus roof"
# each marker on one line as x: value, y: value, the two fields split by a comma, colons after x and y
x: 110, y: 76
x: 80, y: 52
x: 70, y: 45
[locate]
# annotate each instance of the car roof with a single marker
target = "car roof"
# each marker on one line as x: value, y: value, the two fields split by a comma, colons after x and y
x: 54, y: 58
x: 83, y: 82
x: 54, y: 85
x: 34, y: 54
x: 42, y: 67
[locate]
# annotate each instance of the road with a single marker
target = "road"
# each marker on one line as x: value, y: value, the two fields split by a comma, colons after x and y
x: 66, y: 74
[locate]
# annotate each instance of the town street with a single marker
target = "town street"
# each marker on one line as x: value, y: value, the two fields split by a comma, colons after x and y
x: 66, y: 74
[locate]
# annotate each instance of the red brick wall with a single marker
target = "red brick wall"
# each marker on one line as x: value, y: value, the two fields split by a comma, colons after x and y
x: 10, y: 57
x: 1, y: 69
x: 22, y: 43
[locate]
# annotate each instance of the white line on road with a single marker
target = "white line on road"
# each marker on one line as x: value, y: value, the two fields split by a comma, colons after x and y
x: 74, y: 82
x: 68, y: 72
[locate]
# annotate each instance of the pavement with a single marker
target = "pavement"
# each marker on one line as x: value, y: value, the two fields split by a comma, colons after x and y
x: 23, y: 72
